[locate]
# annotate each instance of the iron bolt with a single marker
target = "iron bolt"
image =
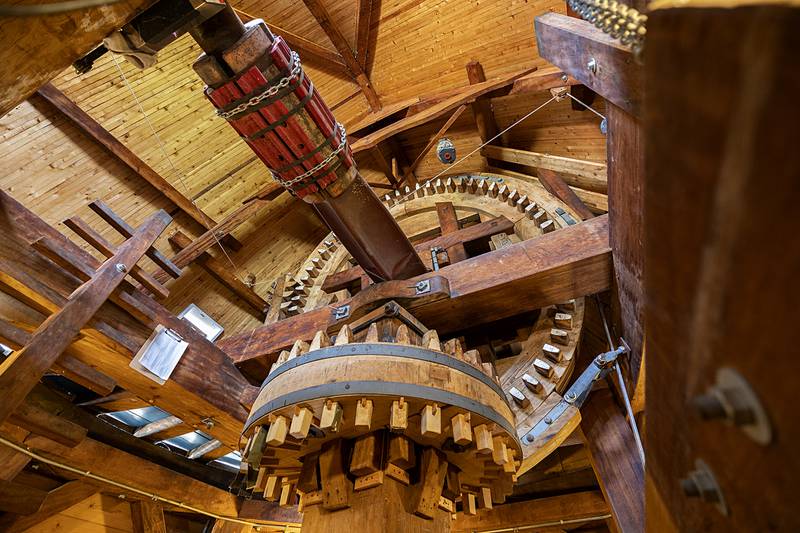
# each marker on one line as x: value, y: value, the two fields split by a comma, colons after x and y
x: 724, y: 404
x: 591, y: 65
x: 571, y: 397
x: 564, y: 77
x: 120, y: 267
x: 701, y: 484
x: 548, y: 420
x: 529, y: 438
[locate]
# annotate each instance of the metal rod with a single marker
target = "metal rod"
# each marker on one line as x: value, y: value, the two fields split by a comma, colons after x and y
x: 623, y: 389
x: 551, y: 523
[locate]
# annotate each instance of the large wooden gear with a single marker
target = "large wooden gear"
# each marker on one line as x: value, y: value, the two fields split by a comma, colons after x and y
x: 308, y: 411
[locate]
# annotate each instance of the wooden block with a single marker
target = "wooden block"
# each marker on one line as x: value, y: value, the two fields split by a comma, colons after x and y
x: 485, y: 497
x: 363, y: 414
x: 301, y: 422
x: 308, y: 481
x: 324, y: 253
x: 336, y: 487
x: 563, y: 320
x: 261, y: 480
x: 483, y: 439
x: 473, y: 357
x: 430, y: 340
x: 522, y: 203
x: 276, y: 435
x: 468, y: 500
x: 431, y: 420
x: 311, y: 498
x: 462, y: 430
x: 512, y: 198
x: 288, y: 495
x: 433, y: 469
x: 372, y: 333
x: 369, y: 481
x: 559, y: 336
x: 398, y: 419
x: 540, y: 216
x: 531, y: 210
x: 568, y: 306
x: 532, y: 383
x: 321, y: 340
x: 366, y: 454
x: 401, y: 452
x: 519, y: 397
x: 453, y: 483
x: 331, y: 416
x: 547, y: 226
x: 543, y: 367
x: 447, y: 505
x: 499, y: 451
x: 552, y: 352
x: 398, y: 474
x: 402, y: 336
x: 272, y: 489
x: 454, y: 348
x: 493, y: 190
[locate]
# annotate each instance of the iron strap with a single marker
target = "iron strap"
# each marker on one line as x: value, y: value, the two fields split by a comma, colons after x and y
x: 391, y: 350
x: 380, y: 388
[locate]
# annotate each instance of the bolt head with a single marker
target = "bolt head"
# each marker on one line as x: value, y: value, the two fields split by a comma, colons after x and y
x: 121, y: 268
x: 591, y: 65
x: 529, y: 438
x: 571, y: 397
x: 564, y: 77
x: 548, y: 420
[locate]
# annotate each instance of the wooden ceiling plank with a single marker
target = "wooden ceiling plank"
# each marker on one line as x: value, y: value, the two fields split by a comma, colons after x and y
x: 571, y: 43
x: 340, y: 43
x: 22, y: 370
x: 98, y: 133
x: 468, y: 95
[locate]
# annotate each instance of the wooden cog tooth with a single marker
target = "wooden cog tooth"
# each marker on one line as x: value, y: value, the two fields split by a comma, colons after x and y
x: 331, y: 416
x: 552, y: 352
x: 532, y: 383
x: 563, y: 320
x: 301, y: 422
x: 454, y: 348
x: 278, y: 429
x: 543, y: 368
x: 547, y: 226
x: 431, y: 420
x: 485, y: 497
x: 401, y: 452
x: 567, y: 306
x: 298, y: 349
x: 345, y: 336
x: 320, y: 340
x: 559, y: 336
x: 462, y: 431
x: 403, y: 336
x: 419, y: 191
x: 363, y: 414
x: 398, y: 419
x: 430, y: 340
x: 372, y: 333
x: 519, y: 397
x: 483, y: 439
x: 468, y: 500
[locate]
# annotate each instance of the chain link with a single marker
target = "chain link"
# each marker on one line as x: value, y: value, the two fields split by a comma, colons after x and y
x: 305, y: 175
x: 269, y: 93
x: 616, y: 19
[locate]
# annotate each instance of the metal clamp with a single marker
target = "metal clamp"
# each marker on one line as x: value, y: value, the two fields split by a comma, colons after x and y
x: 341, y: 312
x: 422, y: 287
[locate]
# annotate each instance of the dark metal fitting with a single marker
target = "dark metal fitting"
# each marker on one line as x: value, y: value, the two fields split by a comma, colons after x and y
x: 341, y: 312
x: 422, y: 286
x: 701, y: 483
x: 391, y: 309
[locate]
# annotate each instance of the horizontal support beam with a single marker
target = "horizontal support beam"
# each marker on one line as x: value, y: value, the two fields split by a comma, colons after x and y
x: 57, y: 500
x: 571, y: 44
x: 556, y: 267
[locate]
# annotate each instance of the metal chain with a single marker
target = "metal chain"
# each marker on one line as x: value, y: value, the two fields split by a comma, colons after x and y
x: 321, y: 165
x: 271, y: 91
x: 616, y: 19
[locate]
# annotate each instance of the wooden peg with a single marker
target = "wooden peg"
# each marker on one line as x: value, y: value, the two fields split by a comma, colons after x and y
x: 449, y: 185
x: 519, y: 397
x: 301, y: 422
x: 398, y: 419
x: 345, y: 336
x: 563, y: 320
x: 547, y: 226
x: 276, y: 435
x: 543, y: 367
x: 559, y: 336
x: 431, y: 421
x: 461, y: 184
x: 363, y: 414
x: 552, y: 352
x: 483, y: 185
x: 485, y: 497
x: 532, y: 383
x: 372, y: 333
x: 462, y: 431
x: 398, y: 474
x: 499, y: 451
x: 324, y: 253
x: 331, y: 416
x: 401, y: 452
x: 366, y: 457
x: 430, y: 340
x: 483, y: 439
x: 403, y: 336
x: 473, y: 357
x: 282, y: 357
x: 320, y: 340
x: 439, y: 186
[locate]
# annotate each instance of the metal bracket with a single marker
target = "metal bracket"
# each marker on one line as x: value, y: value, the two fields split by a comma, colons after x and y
x: 422, y: 287
x: 435, y: 257
x: 340, y: 313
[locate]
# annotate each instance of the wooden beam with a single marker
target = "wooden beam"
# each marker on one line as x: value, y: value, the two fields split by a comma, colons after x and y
x: 558, y: 188
x: 597, y: 202
x: 483, y: 230
x: 564, y: 264
x: 571, y: 43
x: 88, y: 234
x: 448, y: 221
x: 466, y: 96
x: 57, y: 500
x: 587, y: 175
x: 576, y: 506
x: 615, y: 459
x: 39, y: 421
x: 340, y: 43
x: 147, y: 517
x: 223, y: 273
x: 542, y: 80
x: 363, y: 20
x: 20, y: 372
x: 20, y: 499
x: 97, y: 132
x: 481, y: 107
x: 326, y: 58
x: 436, y: 136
